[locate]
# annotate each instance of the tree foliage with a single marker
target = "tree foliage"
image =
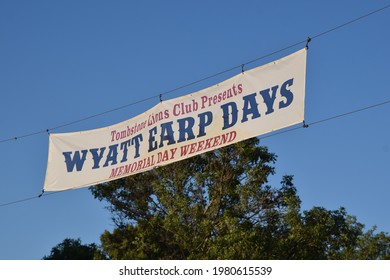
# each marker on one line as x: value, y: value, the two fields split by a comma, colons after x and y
x: 72, y: 249
x: 219, y: 205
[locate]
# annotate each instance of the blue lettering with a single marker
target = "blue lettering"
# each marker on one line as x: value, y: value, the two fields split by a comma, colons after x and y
x: 97, y: 157
x: 250, y: 107
x: 76, y: 161
x: 185, y: 127
x: 269, y: 99
x: 166, y: 134
x: 124, y: 147
x: 137, y: 139
x: 286, y: 93
x: 112, y: 155
x: 205, y: 119
x: 152, y: 139
x: 229, y: 122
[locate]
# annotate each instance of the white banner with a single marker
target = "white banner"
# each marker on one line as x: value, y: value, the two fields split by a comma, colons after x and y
x: 249, y: 104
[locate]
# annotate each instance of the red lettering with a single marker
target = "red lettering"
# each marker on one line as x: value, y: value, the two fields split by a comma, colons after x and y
x: 216, y: 141
x: 193, y: 148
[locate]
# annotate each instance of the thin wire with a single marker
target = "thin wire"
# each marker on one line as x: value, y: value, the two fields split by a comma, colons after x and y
x: 197, y: 81
x: 266, y: 136
x: 18, y: 201
x: 350, y: 113
x: 281, y: 132
x: 350, y: 22
x: 23, y: 136
x: 99, y: 114
x: 306, y: 125
x: 31, y: 198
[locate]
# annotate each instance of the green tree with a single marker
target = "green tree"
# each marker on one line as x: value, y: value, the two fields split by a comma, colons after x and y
x: 219, y: 205
x: 72, y: 249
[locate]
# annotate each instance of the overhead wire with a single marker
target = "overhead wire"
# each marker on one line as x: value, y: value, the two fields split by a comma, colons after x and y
x: 31, y: 198
x: 201, y: 80
x: 48, y: 130
x: 18, y: 201
x: 306, y: 125
x: 350, y: 22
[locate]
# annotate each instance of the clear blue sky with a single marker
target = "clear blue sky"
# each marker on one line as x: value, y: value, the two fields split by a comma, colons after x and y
x: 61, y: 61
